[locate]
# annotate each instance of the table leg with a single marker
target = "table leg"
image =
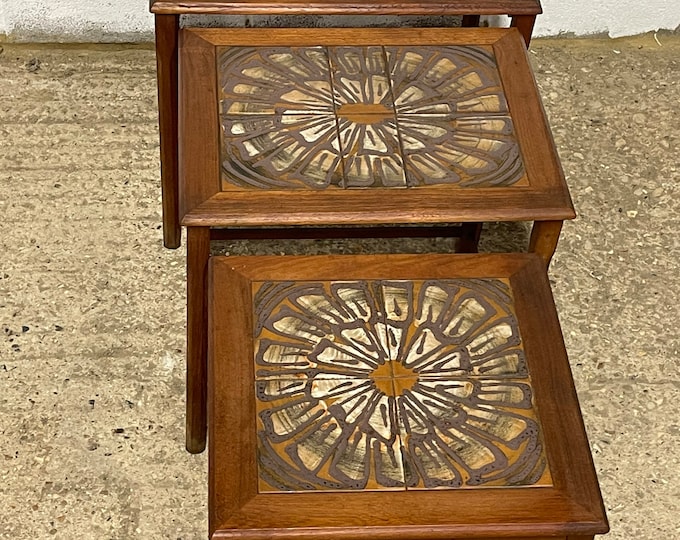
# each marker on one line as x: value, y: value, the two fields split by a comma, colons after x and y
x: 469, y: 238
x: 470, y: 21
x: 167, y: 31
x: 198, y: 253
x: 544, y: 238
x: 525, y: 25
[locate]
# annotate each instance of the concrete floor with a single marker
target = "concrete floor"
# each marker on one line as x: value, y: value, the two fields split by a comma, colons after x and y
x: 92, y: 306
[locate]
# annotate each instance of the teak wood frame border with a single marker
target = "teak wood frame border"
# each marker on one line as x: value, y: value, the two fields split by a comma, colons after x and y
x: 572, y: 507
x: 347, y: 7
x: 167, y: 12
x: 289, y: 214
x: 204, y: 203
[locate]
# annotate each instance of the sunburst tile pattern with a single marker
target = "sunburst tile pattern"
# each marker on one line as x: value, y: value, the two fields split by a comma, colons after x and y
x: 374, y: 385
x: 364, y: 117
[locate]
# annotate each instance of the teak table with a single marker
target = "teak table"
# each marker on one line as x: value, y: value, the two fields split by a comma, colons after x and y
x: 167, y: 18
x: 319, y: 132
x: 393, y: 396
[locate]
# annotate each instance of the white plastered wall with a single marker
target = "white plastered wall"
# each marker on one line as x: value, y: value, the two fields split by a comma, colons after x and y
x: 129, y: 20
x: 76, y: 20
x: 3, y: 24
x: 613, y: 17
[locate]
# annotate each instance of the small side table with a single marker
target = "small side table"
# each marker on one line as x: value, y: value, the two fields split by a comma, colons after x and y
x: 167, y: 22
x: 395, y: 396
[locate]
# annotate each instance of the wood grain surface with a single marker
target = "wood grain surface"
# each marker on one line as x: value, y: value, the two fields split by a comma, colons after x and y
x: 198, y: 251
x: 348, y: 7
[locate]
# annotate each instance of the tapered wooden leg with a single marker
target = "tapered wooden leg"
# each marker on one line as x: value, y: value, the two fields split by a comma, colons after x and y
x: 580, y: 538
x: 469, y: 238
x: 167, y: 29
x: 525, y: 25
x: 198, y: 252
x: 544, y: 238
x: 470, y: 21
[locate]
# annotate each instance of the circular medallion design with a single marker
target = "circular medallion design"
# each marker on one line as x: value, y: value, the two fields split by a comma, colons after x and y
x: 393, y: 385
x: 345, y: 117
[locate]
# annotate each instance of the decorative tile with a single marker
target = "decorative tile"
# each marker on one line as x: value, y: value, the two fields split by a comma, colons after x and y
x: 469, y: 432
x: 330, y: 434
x: 364, y: 117
x: 281, y: 152
x: 453, y: 328
x: 371, y: 152
x: 366, y: 121
x: 274, y: 80
x: 316, y: 330
x: 360, y: 80
x: 393, y: 385
x: 463, y: 151
x: 445, y: 80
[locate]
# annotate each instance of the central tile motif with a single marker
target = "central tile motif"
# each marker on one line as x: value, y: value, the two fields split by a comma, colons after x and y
x: 393, y: 385
x: 364, y: 113
x: 343, y: 117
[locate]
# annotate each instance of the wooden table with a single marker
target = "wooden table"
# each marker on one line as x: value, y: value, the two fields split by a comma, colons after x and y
x: 395, y: 396
x: 167, y: 18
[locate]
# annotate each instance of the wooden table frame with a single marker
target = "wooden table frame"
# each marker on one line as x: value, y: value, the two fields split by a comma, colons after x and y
x: 567, y: 507
x: 167, y: 14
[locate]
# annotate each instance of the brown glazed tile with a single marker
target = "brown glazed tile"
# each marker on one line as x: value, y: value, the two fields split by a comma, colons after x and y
x: 360, y: 78
x: 325, y: 404
x: 274, y: 80
x: 290, y: 122
x: 318, y: 329
x: 466, y: 151
x: 371, y: 153
x: 462, y: 390
x: 327, y: 434
x: 452, y: 328
x: 470, y: 433
x: 425, y: 379
x: 366, y: 121
x: 445, y: 80
x: 280, y: 152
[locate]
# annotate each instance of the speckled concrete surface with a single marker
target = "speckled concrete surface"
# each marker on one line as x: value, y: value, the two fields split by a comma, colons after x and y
x: 92, y: 307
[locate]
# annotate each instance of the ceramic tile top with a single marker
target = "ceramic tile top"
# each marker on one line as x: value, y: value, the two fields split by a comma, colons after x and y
x: 364, y: 117
x: 393, y: 385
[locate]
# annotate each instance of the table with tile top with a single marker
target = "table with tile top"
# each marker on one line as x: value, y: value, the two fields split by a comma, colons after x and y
x: 393, y: 396
x: 167, y: 22
x: 300, y: 127
x: 309, y: 130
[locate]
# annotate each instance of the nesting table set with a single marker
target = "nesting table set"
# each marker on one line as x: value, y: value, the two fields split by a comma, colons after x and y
x: 371, y: 396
